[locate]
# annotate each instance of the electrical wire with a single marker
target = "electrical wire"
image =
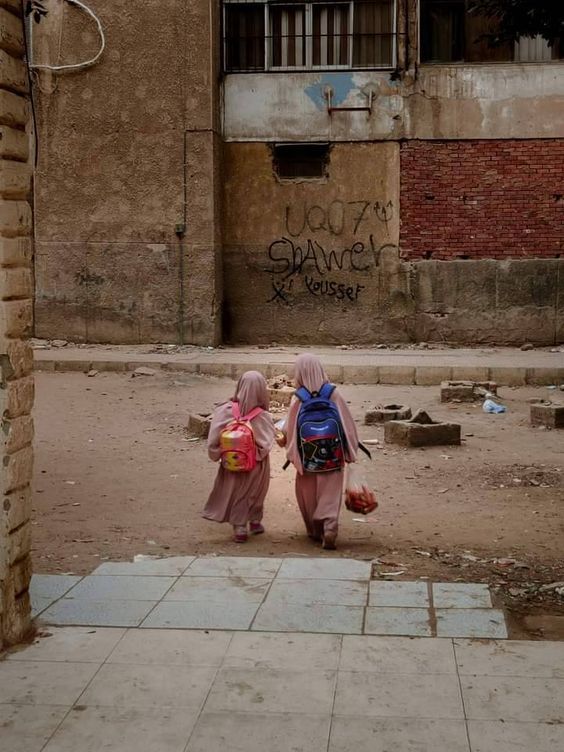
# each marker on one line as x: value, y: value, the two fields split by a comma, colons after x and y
x: 85, y: 63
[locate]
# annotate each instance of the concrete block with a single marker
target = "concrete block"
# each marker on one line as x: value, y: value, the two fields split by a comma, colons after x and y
x: 199, y: 424
x: 63, y: 366
x: 335, y: 374
x: 20, y: 575
x: 11, y: 33
x: 115, y: 366
x: 466, y: 391
x: 431, y: 375
x: 15, y: 251
x: 18, y: 360
x: 15, y: 218
x: 13, y: 74
x: 182, y: 367
x: 20, y: 393
x: 18, y: 433
x: 386, y: 413
x: 16, y: 318
x: 14, y: 144
x: 15, y: 283
x: 361, y: 375
x: 421, y: 431
x: 17, y: 508
x: 470, y: 373
x: 44, y: 365
x: 283, y: 395
x: 220, y: 370
x: 15, y: 180
x: 17, y: 470
x: 551, y: 416
x: 397, y: 375
x: 19, y: 543
x: 508, y: 376
x: 544, y: 376
x: 13, y: 109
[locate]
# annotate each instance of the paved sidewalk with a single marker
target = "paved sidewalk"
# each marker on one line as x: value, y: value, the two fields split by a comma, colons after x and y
x: 85, y: 689
x: 507, y: 366
x: 314, y: 595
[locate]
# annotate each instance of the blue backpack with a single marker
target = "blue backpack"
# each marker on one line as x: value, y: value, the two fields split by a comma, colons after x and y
x: 320, y: 436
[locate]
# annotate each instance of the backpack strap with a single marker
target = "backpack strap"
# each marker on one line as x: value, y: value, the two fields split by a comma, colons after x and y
x: 327, y: 390
x: 303, y: 394
x: 236, y: 410
x: 253, y: 414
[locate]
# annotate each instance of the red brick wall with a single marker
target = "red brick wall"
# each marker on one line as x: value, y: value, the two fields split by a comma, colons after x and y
x: 482, y: 199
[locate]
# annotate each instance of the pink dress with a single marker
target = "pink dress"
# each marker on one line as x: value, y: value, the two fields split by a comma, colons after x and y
x: 238, y: 498
x: 319, y: 495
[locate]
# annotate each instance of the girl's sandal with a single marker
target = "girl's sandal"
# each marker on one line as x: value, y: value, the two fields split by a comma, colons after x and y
x: 240, y: 534
x: 256, y: 528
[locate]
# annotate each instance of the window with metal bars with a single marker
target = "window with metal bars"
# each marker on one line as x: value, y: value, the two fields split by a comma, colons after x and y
x: 260, y: 36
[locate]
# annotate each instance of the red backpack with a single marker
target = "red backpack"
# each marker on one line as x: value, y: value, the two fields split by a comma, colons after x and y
x: 237, y: 442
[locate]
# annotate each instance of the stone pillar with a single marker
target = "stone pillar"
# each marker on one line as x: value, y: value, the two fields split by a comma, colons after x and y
x: 16, y: 357
x: 203, y: 158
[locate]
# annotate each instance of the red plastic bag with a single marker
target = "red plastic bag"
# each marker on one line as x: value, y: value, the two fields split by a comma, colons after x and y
x: 359, y: 498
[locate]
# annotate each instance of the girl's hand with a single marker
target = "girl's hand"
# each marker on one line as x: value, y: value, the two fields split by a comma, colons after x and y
x: 280, y: 439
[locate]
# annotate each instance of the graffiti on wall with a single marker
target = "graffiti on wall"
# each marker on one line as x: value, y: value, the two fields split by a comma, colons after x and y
x: 303, y: 262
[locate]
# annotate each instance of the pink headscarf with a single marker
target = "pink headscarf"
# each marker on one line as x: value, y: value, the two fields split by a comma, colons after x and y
x: 309, y: 372
x: 251, y: 392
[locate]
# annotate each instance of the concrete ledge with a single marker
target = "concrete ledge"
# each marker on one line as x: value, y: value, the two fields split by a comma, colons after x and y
x: 408, y: 434
x: 199, y: 424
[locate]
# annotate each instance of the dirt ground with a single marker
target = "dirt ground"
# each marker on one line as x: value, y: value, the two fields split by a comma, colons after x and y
x: 116, y: 475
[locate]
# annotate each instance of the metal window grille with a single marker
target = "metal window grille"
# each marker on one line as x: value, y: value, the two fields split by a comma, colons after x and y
x: 311, y: 35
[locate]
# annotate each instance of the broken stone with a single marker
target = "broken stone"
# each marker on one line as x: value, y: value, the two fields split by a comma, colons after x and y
x: 144, y: 371
x: 59, y: 343
x: 282, y: 395
x: 527, y: 346
x: 92, y: 373
x: 548, y: 415
x: 386, y: 413
x: 421, y: 430
x: 466, y: 391
x: 199, y: 424
x: 551, y: 586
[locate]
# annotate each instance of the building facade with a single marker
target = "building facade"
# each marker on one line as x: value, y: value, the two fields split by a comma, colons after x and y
x: 253, y: 171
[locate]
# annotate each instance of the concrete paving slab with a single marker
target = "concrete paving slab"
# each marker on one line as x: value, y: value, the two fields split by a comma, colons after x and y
x: 272, y: 691
x: 408, y: 696
x: 329, y: 592
x: 293, y: 652
x: 26, y: 728
x: 233, y: 566
x: 127, y: 686
x: 172, y: 566
x: 97, y: 613
x: 201, y: 615
x: 406, y: 622
x: 513, y: 698
x: 326, y: 569
x: 39, y: 604
x: 397, y: 655
x: 44, y: 682
x: 407, y: 594
x: 461, y: 595
x: 91, y: 729
x: 257, y: 732
x: 510, y: 658
x: 122, y: 587
x: 278, y: 616
x: 83, y: 644
x: 471, y: 622
x: 403, y: 735
x: 502, y: 736
x: 171, y: 647
x: 226, y: 590
x: 51, y: 586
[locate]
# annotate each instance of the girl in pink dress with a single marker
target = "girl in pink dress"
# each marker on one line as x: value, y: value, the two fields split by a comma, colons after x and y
x: 319, y: 495
x: 238, y: 497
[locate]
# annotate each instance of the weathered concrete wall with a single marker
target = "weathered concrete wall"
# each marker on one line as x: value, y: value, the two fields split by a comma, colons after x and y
x: 290, y: 244
x: 16, y: 358
x: 444, y: 102
x: 128, y: 155
x: 314, y: 260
